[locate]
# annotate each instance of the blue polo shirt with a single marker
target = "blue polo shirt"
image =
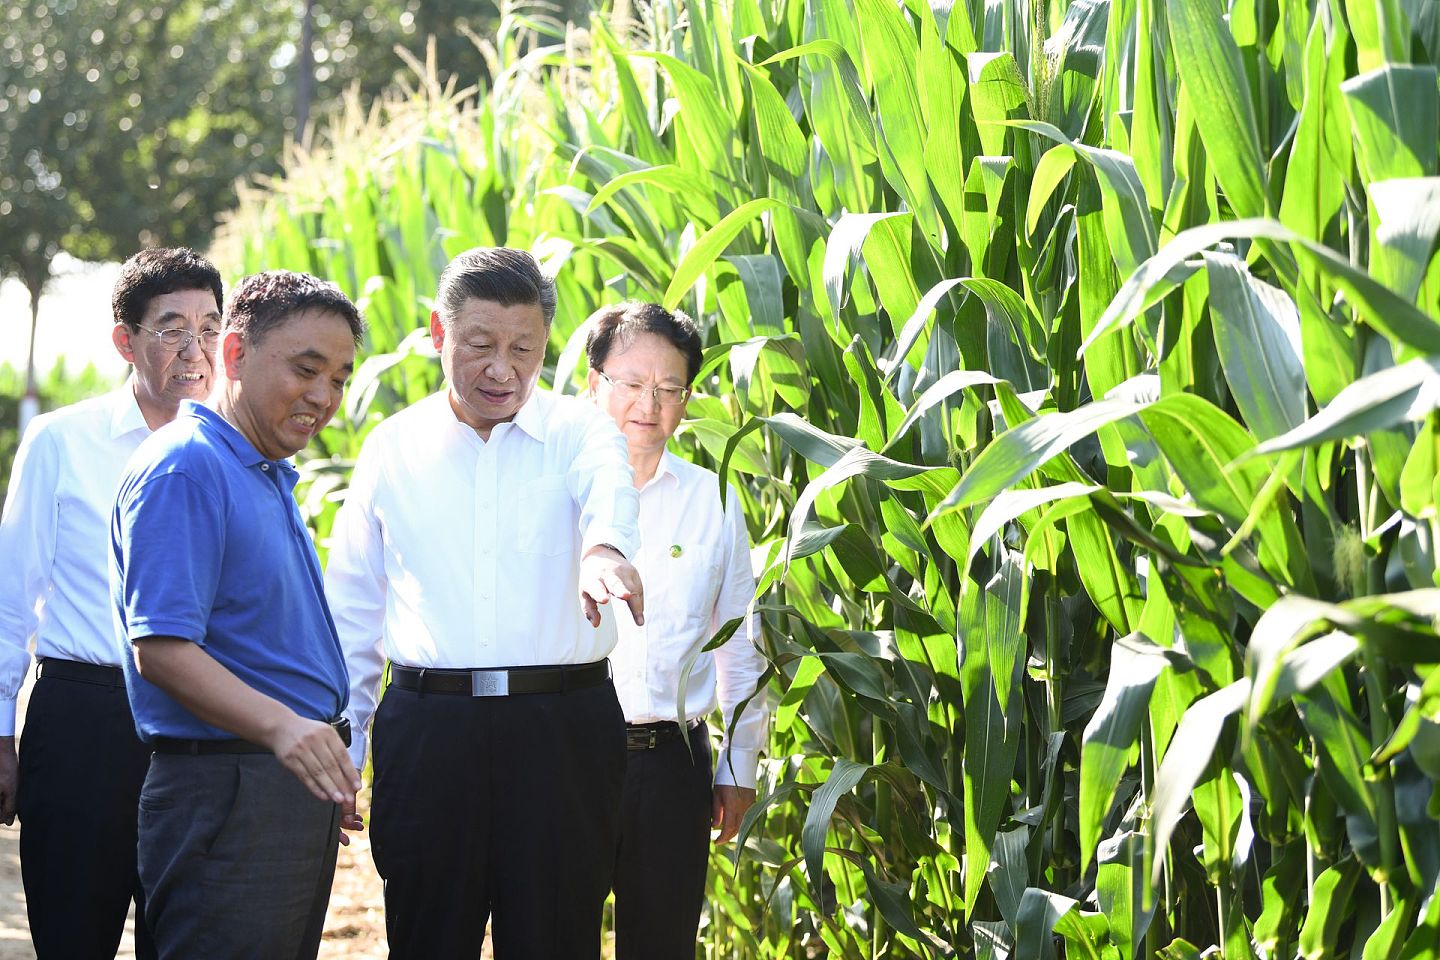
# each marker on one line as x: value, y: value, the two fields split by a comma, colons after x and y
x: 207, y: 545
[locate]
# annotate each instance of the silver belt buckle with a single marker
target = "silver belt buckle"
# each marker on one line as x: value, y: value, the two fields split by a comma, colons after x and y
x: 489, y: 683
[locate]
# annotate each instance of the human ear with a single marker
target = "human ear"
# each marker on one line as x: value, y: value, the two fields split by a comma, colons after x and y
x: 120, y: 336
x: 232, y: 353
x: 437, y: 331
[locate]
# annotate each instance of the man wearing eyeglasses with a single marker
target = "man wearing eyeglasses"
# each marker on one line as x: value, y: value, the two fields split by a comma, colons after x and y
x: 695, y: 557
x: 80, y: 762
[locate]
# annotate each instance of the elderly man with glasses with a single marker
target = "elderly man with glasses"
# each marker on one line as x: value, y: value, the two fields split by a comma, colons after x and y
x: 695, y: 558
x: 80, y: 763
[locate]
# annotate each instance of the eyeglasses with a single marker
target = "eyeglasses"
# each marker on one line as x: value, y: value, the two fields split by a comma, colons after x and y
x: 178, y: 338
x: 628, y: 390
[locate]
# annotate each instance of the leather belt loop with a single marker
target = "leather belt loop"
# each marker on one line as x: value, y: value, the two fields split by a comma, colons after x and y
x: 420, y: 684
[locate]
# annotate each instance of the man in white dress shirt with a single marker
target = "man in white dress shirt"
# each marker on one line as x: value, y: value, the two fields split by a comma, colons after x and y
x: 80, y: 763
x: 695, y: 559
x: 484, y: 525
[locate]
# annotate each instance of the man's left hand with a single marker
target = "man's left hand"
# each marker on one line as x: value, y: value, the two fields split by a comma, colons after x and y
x: 727, y: 806
x: 605, y: 574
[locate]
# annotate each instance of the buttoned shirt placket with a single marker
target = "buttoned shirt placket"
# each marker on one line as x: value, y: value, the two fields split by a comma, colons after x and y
x: 650, y: 559
x: 486, y: 534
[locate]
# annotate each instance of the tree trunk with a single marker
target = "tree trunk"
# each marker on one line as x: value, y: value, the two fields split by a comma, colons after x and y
x: 30, y: 403
x: 305, y: 80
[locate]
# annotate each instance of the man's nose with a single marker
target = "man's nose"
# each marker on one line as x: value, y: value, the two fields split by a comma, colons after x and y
x: 321, y: 393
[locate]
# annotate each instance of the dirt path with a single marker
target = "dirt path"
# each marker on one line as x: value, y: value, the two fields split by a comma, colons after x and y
x: 14, y: 931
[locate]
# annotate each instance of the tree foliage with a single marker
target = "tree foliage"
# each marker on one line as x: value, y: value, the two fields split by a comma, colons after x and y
x: 128, y: 124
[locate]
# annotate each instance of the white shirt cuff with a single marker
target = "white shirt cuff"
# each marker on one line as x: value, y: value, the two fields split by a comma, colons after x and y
x: 7, y: 718
x: 737, y: 768
x: 358, y: 743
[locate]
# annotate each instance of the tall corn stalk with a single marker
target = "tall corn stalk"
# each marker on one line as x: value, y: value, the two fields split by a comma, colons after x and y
x: 1078, y: 366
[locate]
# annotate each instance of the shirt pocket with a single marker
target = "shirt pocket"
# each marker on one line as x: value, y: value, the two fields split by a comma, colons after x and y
x: 546, y: 523
x: 692, y: 583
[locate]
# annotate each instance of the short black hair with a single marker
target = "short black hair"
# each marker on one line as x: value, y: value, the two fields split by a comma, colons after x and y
x: 265, y: 301
x: 501, y: 275
x: 156, y: 272
x: 615, y: 327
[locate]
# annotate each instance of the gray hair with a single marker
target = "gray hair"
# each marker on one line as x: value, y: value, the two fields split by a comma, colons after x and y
x: 500, y: 275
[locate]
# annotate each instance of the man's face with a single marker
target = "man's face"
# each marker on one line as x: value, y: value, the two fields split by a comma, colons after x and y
x: 288, y: 386
x: 163, y: 375
x: 491, y: 356
x: 649, y: 361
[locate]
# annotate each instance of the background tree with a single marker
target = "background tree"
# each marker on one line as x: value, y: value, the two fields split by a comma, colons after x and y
x: 128, y: 125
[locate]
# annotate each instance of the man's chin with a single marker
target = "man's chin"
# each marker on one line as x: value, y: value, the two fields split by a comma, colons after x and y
x: 197, y: 390
x: 491, y: 412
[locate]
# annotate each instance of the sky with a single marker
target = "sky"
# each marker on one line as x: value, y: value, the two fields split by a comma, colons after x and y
x: 75, y: 319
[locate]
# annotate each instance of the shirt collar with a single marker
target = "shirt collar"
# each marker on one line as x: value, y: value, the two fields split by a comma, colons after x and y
x: 531, y: 417
x: 243, y: 449
x: 125, y: 413
x: 666, y: 468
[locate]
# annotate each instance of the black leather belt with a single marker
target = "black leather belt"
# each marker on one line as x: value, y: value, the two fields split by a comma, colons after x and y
x: 648, y: 736
x: 201, y: 748
x: 102, y: 674
x: 500, y: 682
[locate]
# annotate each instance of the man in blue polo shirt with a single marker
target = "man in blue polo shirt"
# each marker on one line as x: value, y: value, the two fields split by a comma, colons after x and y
x: 236, y: 677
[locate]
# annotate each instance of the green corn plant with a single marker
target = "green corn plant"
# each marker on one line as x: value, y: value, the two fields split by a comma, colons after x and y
x: 1078, y: 366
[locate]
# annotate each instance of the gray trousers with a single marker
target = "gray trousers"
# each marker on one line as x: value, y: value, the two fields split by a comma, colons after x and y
x: 236, y: 858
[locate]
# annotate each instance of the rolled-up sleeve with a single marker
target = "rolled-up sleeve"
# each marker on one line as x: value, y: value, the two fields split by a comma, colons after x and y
x: 355, y: 586
x: 168, y: 545
x: 602, y: 483
x: 27, y: 544
x: 739, y: 664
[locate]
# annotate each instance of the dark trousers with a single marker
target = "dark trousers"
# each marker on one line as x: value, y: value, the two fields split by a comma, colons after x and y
x: 81, y: 767
x: 237, y: 858
x: 664, y: 849
x: 496, y: 807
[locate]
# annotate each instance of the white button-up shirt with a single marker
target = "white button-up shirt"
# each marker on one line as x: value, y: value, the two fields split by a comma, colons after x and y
x: 55, y: 538
x: 694, y: 560
x: 452, y: 551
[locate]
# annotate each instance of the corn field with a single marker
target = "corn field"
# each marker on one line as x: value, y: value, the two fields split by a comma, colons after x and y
x: 1078, y: 364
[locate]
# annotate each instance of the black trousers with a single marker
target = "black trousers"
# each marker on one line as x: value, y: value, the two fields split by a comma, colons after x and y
x: 664, y: 849
x: 81, y: 767
x: 501, y: 810
x: 237, y: 858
